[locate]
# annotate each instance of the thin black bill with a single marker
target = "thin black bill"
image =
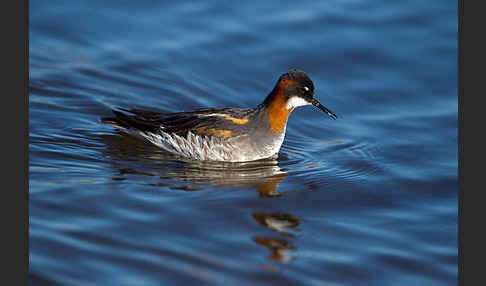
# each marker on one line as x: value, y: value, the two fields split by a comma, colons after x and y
x: 323, y: 108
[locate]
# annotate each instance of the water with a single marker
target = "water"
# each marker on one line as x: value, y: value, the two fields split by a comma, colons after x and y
x: 368, y: 199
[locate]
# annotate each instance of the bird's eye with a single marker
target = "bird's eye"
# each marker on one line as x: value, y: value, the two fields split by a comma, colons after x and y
x: 306, y: 88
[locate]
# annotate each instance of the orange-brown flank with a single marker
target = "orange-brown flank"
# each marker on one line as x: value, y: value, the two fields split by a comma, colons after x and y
x: 240, y: 121
x: 277, y: 111
x: 216, y: 132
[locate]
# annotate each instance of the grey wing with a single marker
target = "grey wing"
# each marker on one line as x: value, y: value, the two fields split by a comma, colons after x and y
x: 214, y: 121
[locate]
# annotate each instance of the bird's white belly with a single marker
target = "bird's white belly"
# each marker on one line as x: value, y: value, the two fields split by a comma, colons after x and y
x: 236, y: 149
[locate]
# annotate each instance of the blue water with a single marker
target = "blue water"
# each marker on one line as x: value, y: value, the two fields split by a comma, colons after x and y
x: 367, y: 199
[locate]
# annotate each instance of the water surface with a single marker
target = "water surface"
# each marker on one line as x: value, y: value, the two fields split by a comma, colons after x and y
x: 368, y: 199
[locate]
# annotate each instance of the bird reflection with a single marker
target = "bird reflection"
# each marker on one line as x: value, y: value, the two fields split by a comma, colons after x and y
x: 278, y: 222
x: 279, y: 248
x: 143, y: 159
x: 168, y: 170
x: 285, y: 224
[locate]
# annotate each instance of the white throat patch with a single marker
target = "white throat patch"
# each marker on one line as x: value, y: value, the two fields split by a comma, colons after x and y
x: 295, y: 101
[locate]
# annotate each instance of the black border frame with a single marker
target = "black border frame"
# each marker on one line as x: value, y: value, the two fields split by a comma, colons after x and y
x: 15, y: 143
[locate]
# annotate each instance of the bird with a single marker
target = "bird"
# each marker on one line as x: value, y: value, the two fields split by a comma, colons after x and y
x: 224, y: 134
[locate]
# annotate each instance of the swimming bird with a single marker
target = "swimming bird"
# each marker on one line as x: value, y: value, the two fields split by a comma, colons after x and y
x: 224, y: 134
